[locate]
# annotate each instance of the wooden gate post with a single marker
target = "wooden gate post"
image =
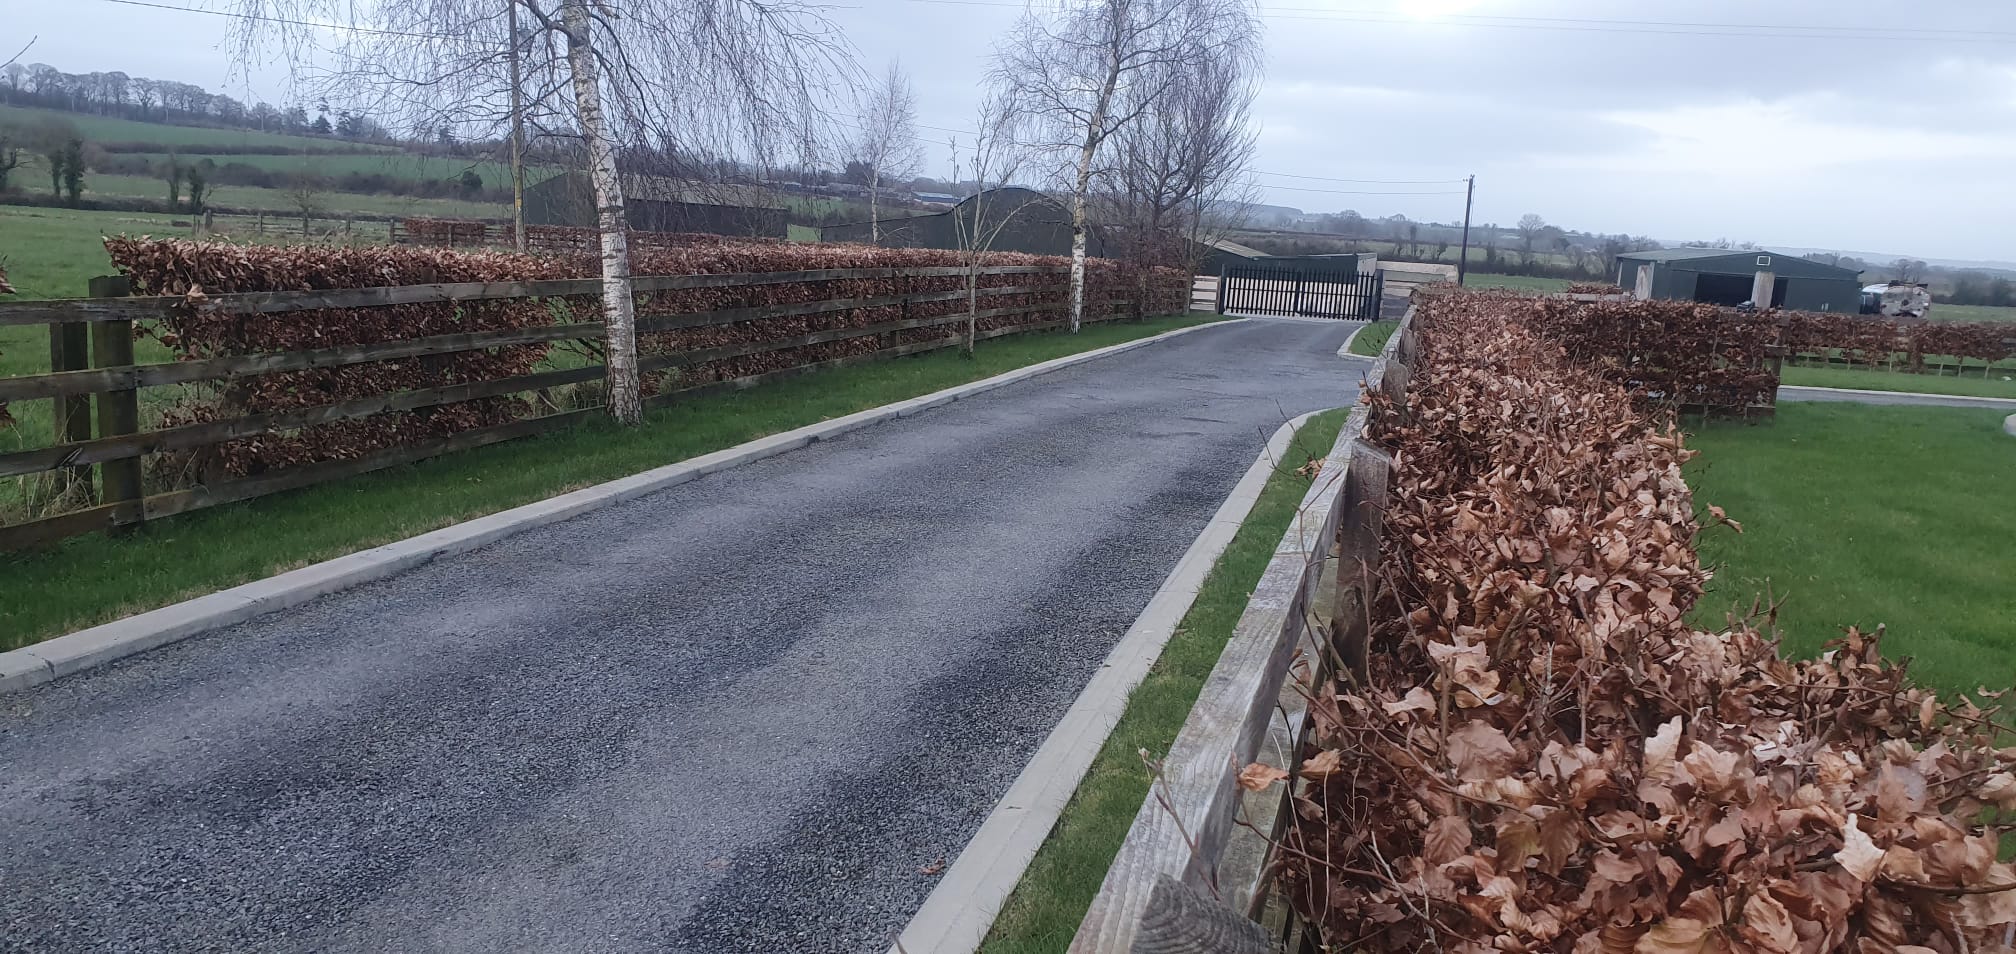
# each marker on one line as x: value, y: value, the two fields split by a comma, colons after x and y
x: 118, y: 411
x: 1224, y: 273
x: 70, y: 350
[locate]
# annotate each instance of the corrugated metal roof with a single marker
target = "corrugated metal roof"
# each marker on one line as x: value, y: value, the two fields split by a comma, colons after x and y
x: 1682, y: 254
x: 1742, y: 260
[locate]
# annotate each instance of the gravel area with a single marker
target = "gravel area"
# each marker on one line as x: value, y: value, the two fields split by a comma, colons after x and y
x: 751, y: 713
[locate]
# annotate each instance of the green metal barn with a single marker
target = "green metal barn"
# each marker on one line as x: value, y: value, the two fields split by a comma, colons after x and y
x: 1725, y: 277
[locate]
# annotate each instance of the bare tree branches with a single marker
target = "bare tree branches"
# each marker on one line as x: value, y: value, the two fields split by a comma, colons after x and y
x: 25, y: 47
x: 679, y: 81
x: 1087, y: 70
x: 887, y: 144
x: 1176, y: 177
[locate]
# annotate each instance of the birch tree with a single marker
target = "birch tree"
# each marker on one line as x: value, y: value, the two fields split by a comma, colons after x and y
x: 751, y: 79
x: 888, y: 143
x: 1087, y: 69
x: 996, y: 160
x: 1176, y: 178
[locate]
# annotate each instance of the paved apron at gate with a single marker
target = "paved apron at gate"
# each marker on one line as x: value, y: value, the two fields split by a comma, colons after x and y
x: 747, y: 713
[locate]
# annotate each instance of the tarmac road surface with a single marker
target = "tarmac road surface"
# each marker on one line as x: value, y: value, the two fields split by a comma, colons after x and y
x: 746, y: 713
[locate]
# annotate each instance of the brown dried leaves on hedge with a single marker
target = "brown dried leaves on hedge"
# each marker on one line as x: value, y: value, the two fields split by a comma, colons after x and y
x: 195, y: 269
x: 1549, y: 758
x: 1666, y: 352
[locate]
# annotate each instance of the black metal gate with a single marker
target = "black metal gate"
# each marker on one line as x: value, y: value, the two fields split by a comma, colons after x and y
x: 1308, y: 291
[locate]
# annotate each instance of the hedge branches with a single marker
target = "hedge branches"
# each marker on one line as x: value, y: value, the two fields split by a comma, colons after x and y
x: 195, y: 270
x: 1547, y: 757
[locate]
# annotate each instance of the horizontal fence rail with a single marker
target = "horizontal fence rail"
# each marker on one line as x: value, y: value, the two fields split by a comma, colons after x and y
x: 266, y: 303
x: 92, y: 362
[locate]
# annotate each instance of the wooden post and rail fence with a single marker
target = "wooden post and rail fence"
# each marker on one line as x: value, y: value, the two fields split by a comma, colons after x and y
x: 92, y: 363
x: 1195, y: 872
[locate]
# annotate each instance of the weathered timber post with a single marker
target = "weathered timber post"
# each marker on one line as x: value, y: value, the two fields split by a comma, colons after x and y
x: 70, y: 350
x: 118, y: 411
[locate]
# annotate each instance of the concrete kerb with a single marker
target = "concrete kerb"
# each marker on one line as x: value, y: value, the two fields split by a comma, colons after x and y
x: 959, y: 912
x: 1946, y: 400
x: 2009, y: 425
x: 64, y: 655
x: 1344, y: 351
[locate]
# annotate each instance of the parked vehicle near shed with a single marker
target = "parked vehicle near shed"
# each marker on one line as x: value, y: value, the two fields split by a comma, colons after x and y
x: 1897, y: 300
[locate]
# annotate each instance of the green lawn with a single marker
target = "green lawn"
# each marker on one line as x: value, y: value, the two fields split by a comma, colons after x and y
x: 1516, y: 282
x: 801, y: 233
x: 1999, y: 384
x: 399, y: 165
x: 281, y: 201
x: 92, y: 579
x: 1858, y: 514
x: 1971, y: 313
x: 1372, y: 337
x: 1043, y: 913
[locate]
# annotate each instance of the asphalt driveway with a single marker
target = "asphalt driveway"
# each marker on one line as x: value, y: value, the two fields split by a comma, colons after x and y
x: 746, y: 713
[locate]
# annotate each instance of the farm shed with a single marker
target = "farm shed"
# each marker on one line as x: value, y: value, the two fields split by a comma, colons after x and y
x: 1215, y: 257
x: 1725, y: 276
x: 658, y: 204
x: 1035, y: 223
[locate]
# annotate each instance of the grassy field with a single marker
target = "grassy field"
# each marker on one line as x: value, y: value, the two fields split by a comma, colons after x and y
x: 1972, y: 313
x: 279, y: 201
x: 2001, y: 384
x: 1861, y: 515
x: 1516, y: 282
x: 1373, y: 337
x: 399, y: 165
x: 109, y: 129
x: 1045, y: 909
x: 92, y: 579
x: 801, y: 233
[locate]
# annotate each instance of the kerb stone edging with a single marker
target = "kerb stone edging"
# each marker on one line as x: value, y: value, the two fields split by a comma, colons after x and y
x: 61, y: 656
x: 959, y: 912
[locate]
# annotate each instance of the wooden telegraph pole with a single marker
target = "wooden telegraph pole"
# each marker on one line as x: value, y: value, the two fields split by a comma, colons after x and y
x: 1463, y: 259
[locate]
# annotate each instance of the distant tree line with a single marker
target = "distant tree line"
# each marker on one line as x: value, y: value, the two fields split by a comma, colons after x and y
x: 167, y: 101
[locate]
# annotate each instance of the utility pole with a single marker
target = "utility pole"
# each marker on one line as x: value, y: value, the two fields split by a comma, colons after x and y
x: 517, y: 135
x: 1463, y: 260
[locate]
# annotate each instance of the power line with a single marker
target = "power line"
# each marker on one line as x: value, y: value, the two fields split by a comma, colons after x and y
x: 1269, y: 185
x: 1594, y: 25
x: 1882, y: 31
x: 265, y: 19
x: 1290, y: 175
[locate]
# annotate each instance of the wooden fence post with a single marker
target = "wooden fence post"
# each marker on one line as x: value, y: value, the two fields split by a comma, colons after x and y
x: 118, y: 411
x: 70, y: 350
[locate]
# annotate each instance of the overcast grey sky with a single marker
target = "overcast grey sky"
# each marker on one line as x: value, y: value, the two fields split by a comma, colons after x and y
x: 1868, y: 126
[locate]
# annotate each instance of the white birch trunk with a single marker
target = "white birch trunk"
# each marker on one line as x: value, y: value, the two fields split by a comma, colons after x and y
x: 1078, y: 209
x: 619, y: 314
x: 1094, y: 132
x: 874, y: 214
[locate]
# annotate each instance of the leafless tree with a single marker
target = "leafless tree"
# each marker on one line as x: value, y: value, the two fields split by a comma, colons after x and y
x: 1173, y: 180
x: 1087, y: 69
x: 1530, y: 226
x: 888, y: 143
x: 305, y: 194
x: 995, y: 160
x: 750, y: 79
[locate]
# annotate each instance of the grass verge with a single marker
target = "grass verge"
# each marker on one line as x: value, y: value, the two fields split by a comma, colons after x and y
x: 92, y: 579
x: 2001, y: 384
x: 1044, y: 911
x: 1371, y: 338
x: 1859, y: 515
x: 1516, y: 282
